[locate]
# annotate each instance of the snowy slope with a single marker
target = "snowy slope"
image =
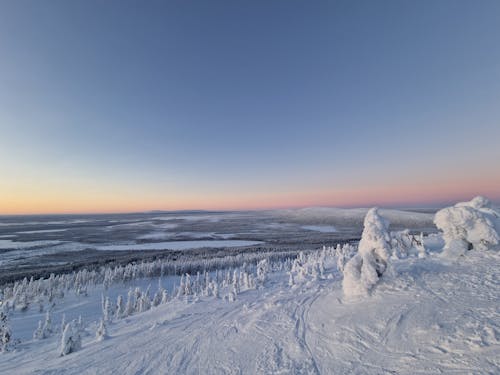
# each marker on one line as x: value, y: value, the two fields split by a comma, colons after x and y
x: 425, y: 316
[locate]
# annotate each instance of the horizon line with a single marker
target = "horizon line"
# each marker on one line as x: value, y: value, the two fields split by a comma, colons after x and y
x: 401, y: 206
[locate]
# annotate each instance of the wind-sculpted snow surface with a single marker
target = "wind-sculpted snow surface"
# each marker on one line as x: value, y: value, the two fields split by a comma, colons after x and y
x: 362, y: 272
x: 468, y: 225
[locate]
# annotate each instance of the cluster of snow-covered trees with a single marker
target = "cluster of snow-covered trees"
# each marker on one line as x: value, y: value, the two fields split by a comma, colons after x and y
x: 44, y: 292
x: 465, y: 226
x: 226, y: 284
x: 70, y: 333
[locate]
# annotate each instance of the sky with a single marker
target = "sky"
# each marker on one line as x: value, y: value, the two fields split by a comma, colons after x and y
x: 120, y: 106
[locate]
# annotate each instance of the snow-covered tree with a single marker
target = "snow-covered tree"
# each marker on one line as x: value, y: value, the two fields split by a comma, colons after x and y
x: 215, y: 288
x: 144, y: 302
x: 363, y: 270
x: 164, y: 296
x: 181, y: 288
x: 120, y: 307
x: 262, y: 270
x: 188, y: 290
x: 71, y: 340
x: 231, y: 296
x: 130, y: 306
x: 468, y: 225
x: 63, y: 323
x: 47, y: 325
x: 422, y: 253
x: 5, y: 332
x: 402, y: 242
x: 108, y: 310
x: 102, y: 332
x: 80, y: 324
x: 156, y: 298
x: 38, y: 334
x: 158, y: 295
x: 236, y: 285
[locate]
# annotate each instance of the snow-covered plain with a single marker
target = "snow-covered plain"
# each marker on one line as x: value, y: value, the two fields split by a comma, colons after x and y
x: 320, y: 228
x: 178, y: 245
x: 428, y: 313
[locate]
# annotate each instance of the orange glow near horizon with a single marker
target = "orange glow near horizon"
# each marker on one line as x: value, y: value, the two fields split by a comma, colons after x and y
x: 33, y: 201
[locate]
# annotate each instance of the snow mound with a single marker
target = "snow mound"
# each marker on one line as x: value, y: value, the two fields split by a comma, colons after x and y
x: 468, y: 225
x: 362, y: 272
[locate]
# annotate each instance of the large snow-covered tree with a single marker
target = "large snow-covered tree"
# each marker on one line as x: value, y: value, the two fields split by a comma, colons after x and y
x: 363, y: 270
x: 468, y: 225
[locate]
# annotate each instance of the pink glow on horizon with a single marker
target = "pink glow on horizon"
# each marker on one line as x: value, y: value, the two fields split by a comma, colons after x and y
x: 427, y: 191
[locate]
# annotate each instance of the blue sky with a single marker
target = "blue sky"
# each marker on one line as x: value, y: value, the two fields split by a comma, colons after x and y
x: 117, y: 105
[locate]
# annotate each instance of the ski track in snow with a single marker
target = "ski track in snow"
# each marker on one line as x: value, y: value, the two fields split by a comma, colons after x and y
x: 428, y: 316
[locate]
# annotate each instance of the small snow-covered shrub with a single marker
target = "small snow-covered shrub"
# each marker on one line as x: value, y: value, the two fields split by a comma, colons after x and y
x: 363, y: 270
x: 468, y: 225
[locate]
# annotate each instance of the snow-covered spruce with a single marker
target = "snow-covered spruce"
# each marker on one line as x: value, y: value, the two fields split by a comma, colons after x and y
x: 102, y: 332
x: 262, y: 270
x: 467, y: 226
x: 107, y: 311
x: 5, y: 333
x: 363, y: 270
x: 21, y: 294
x: 71, y: 340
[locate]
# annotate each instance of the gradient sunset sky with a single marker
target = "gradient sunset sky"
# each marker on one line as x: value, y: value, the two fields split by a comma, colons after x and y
x: 116, y: 106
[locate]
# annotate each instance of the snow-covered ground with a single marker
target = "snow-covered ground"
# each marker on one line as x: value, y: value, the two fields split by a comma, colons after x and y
x: 429, y: 316
x: 425, y: 312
